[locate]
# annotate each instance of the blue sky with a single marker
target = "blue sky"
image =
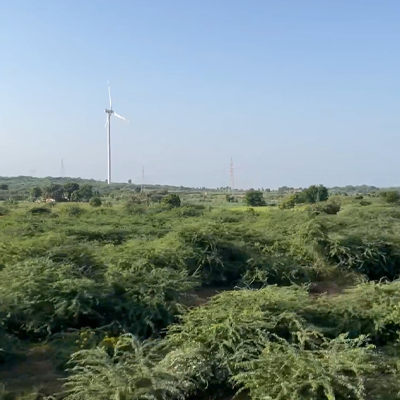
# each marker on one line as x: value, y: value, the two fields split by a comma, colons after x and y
x: 296, y: 91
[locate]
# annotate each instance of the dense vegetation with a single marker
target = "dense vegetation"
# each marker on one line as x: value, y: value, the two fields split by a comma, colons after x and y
x: 119, y: 298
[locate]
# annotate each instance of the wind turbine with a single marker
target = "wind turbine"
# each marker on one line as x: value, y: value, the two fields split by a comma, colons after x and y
x: 108, y: 124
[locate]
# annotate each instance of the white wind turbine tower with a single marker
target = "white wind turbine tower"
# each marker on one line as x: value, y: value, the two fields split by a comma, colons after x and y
x: 108, y: 124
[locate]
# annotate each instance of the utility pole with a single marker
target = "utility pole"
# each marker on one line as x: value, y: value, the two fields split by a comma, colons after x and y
x: 232, y: 176
x: 142, y: 188
x: 62, y: 169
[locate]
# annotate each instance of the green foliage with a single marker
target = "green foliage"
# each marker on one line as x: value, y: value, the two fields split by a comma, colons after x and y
x: 40, y: 210
x: 70, y: 188
x: 130, y: 372
x: 289, y: 202
x: 171, y: 200
x: 229, y: 198
x: 147, y: 299
x: 42, y: 296
x: 85, y: 193
x: 309, y: 367
x: 80, y: 277
x: 390, y: 197
x: 54, y: 191
x: 3, y: 186
x: 369, y: 308
x: 73, y: 210
x: 95, y: 202
x: 330, y: 208
x: 254, y: 198
x: 231, y: 329
x: 35, y: 192
x: 314, y: 194
x: 4, y: 211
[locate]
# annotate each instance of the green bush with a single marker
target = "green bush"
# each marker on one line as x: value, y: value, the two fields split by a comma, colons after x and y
x: 73, y: 210
x: 289, y: 202
x: 146, y: 299
x: 309, y: 367
x: 95, y: 202
x: 171, y: 200
x: 4, y: 211
x: 42, y: 297
x: 314, y: 194
x: 390, y: 197
x: 229, y: 198
x: 330, y: 208
x: 232, y: 329
x: 132, y: 372
x: 254, y: 198
x: 40, y: 210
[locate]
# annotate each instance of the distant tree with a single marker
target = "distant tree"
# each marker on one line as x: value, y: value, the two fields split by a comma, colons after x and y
x: 390, y: 197
x: 267, y: 190
x: 289, y: 202
x: 284, y: 189
x: 129, y: 181
x: 314, y: 194
x: 70, y: 188
x: 95, y: 202
x: 154, y: 197
x: 137, y: 199
x: 137, y: 189
x: 172, y: 200
x: 229, y: 198
x: 35, y: 192
x: 3, y: 186
x: 85, y: 193
x: 54, y: 191
x: 75, y: 197
x: 254, y: 198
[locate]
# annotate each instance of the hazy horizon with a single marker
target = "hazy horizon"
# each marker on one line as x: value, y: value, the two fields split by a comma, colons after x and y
x: 298, y: 93
x: 138, y: 183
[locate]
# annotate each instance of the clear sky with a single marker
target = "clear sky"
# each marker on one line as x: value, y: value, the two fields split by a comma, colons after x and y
x: 296, y: 91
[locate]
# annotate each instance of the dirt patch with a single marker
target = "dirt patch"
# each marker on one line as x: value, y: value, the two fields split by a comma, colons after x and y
x: 329, y: 288
x: 33, y: 374
x: 203, y: 295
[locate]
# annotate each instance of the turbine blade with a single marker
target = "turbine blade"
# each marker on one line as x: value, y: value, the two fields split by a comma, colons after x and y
x: 109, y: 94
x: 118, y: 116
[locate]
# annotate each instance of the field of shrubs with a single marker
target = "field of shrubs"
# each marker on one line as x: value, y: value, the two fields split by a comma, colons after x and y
x: 191, y: 301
